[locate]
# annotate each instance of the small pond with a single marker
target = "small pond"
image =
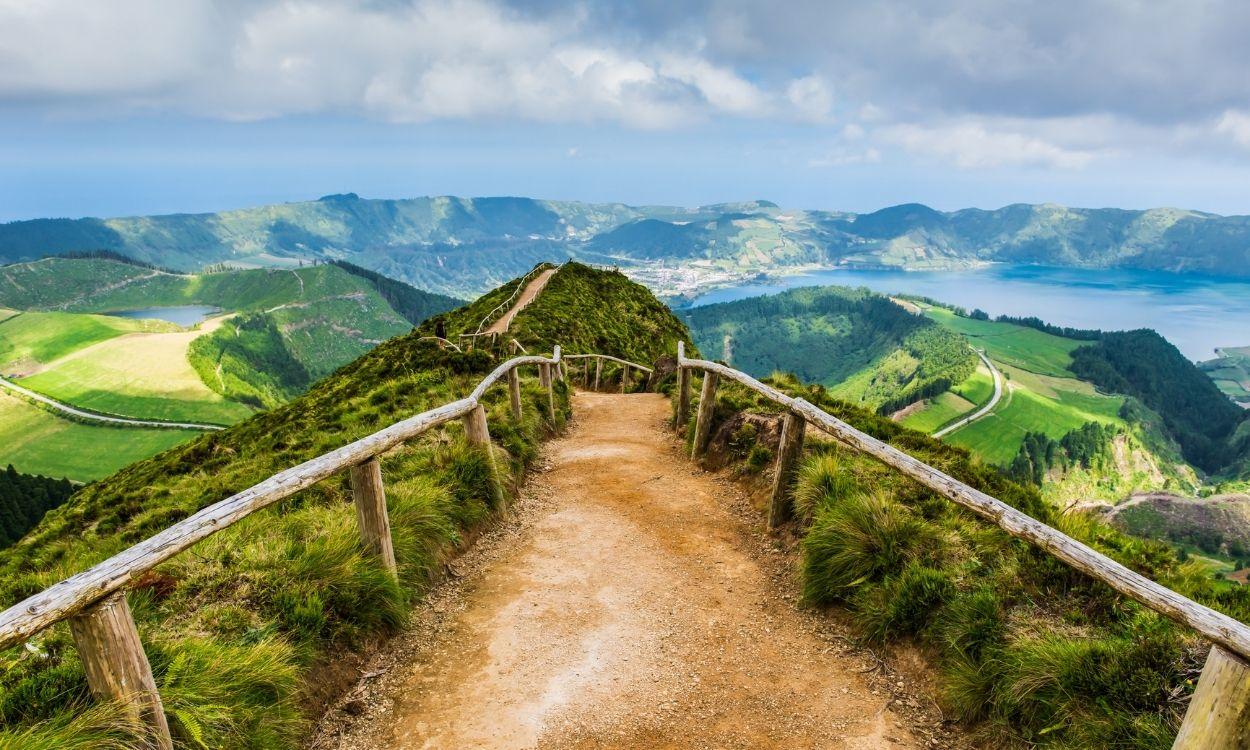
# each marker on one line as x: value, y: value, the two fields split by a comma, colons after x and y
x: 183, y: 315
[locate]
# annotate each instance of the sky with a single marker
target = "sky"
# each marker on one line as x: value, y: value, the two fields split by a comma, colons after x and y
x: 156, y: 106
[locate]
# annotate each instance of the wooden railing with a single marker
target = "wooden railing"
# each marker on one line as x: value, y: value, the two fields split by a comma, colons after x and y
x: 599, y: 359
x: 1218, y: 717
x: 94, y: 601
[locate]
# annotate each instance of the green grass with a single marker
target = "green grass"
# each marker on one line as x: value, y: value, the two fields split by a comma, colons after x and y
x: 35, y: 338
x: 1231, y: 372
x: 147, y: 377
x: 1019, y: 346
x: 977, y: 389
x: 1033, y: 403
x: 941, y: 410
x: 37, y: 442
x: 1027, y: 653
x: 949, y: 406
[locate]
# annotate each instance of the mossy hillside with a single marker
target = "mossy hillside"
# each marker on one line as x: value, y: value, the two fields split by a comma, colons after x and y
x: 258, y: 605
x: 584, y: 310
x: 1028, y: 652
x: 587, y: 310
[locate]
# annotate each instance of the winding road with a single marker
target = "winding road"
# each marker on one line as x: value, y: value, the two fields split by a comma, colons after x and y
x: 102, y: 418
x: 998, y: 394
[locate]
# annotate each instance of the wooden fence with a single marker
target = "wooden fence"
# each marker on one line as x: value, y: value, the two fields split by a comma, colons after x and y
x: 104, y: 632
x: 599, y: 359
x: 94, y: 601
x: 1219, y: 712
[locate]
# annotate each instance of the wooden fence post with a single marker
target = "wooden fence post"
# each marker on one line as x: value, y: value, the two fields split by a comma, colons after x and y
x: 788, y: 451
x: 544, y: 375
x: 1219, y: 711
x: 624, y: 378
x: 117, y: 667
x: 587, y: 373
x: 683, y: 398
x: 703, y: 422
x: 375, y: 524
x: 551, y: 392
x: 598, y: 371
x: 514, y: 389
x: 478, y: 434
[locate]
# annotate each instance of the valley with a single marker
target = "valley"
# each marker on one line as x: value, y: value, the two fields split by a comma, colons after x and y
x: 87, y: 332
x: 1090, y: 418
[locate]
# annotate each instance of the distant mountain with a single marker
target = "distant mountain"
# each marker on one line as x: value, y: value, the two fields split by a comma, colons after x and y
x: 462, y: 246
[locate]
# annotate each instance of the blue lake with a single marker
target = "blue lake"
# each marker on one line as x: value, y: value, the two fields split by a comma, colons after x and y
x: 1196, y: 313
x: 183, y: 315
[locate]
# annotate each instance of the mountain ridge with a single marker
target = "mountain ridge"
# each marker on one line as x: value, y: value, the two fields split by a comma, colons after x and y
x: 459, y: 246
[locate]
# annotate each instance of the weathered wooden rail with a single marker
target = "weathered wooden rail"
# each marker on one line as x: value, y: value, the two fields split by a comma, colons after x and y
x: 1218, y: 717
x: 103, y: 629
x: 599, y: 359
x: 94, y: 601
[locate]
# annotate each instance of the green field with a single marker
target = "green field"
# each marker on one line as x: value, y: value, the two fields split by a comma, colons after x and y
x: 940, y: 410
x: 1034, y: 403
x: 979, y: 388
x: 38, y: 442
x: 1231, y: 372
x: 1019, y: 346
x: 144, y: 376
x: 946, y: 407
x: 30, y: 339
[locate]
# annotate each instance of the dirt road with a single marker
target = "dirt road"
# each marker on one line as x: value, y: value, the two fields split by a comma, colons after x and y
x: 528, y: 294
x: 629, y: 604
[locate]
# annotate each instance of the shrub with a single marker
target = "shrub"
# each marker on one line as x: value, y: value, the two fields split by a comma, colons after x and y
x: 861, y: 539
x: 821, y: 478
x: 902, y: 604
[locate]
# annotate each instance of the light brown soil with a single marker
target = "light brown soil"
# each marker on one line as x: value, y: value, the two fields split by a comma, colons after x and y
x: 630, y: 603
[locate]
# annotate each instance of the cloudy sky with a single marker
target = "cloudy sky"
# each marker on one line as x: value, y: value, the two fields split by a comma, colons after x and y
x: 145, y: 106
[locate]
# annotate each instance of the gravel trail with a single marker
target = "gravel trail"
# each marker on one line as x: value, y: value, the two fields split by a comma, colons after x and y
x: 630, y: 602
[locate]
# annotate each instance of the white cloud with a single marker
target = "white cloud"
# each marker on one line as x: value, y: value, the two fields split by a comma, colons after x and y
x: 1235, y: 125
x: 973, y: 145
x: 811, y: 97
x: 405, y: 62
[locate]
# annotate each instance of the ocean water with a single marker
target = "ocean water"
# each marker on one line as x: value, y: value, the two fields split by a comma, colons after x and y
x: 1196, y: 313
x: 183, y: 315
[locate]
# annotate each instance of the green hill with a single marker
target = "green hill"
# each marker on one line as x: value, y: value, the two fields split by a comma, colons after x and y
x: 464, y: 246
x: 234, y: 628
x: 867, y: 349
x: 864, y: 347
x: 1144, y: 365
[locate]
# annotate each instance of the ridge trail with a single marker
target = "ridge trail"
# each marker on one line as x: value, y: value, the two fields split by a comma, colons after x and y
x: 630, y: 602
x: 527, y: 296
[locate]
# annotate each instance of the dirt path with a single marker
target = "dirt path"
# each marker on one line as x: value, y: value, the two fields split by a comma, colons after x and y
x: 527, y: 296
x: 627, y: 605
